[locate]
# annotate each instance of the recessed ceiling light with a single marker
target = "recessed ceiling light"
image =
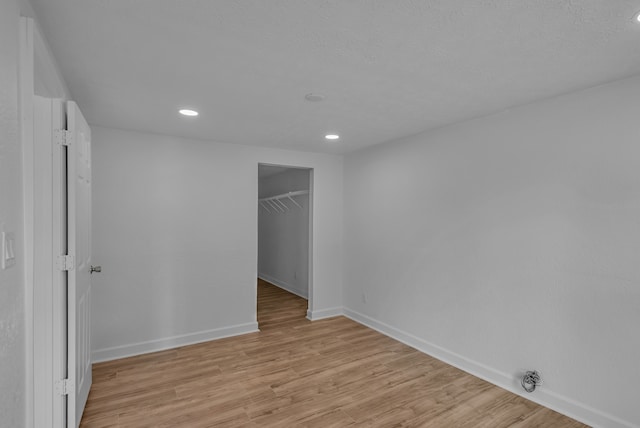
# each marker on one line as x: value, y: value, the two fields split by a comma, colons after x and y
x: 331, y: 136
x: 314, y: 98
x: 188, y: 112
x: 636, y: 17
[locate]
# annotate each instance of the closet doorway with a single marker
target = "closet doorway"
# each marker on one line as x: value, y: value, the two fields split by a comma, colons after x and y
x: 284, y: 244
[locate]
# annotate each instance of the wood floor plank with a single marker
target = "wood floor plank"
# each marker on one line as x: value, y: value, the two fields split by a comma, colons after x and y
x: 298, y: 373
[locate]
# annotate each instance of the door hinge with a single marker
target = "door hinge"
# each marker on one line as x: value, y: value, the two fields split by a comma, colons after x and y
x: 64, y: 387
x: 62, y: 137
x: 65, y: 262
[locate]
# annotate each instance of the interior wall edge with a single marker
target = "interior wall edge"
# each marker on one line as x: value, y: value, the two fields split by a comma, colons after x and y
x: 133, y: 349
x: 542, y: 396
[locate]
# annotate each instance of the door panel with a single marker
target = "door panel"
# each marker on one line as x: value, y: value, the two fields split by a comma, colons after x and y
x: 49, y: 282
x: 60, y: 277
x: 79, y: 247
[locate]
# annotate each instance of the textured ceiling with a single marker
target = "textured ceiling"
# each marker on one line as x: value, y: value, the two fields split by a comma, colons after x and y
x: 388, y: 69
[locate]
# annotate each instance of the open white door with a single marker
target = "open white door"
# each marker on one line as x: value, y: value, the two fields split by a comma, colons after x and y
x: 62, y: 264
x: 79, y: 275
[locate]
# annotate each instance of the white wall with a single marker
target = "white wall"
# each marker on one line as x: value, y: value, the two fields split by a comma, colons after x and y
x: 12, y: 303
x: 175, y: 230
x: 508, y: 243
x: 283, y: 237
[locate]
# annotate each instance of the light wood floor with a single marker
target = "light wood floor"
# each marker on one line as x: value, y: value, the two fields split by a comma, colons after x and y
x: 294, y: 373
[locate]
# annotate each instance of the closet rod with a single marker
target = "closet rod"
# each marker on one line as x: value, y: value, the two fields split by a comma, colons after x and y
x: 287, y: 195
x: 276, y: 204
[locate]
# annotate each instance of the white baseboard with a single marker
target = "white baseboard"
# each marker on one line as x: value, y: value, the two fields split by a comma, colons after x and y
x: 284, y: 285
x: 324, y: 313
x: 557, y: 402
x: 130, y: 350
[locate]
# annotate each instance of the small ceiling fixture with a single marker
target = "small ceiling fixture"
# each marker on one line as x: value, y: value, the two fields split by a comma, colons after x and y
x: 331, y: 136
x: 636, y: 17
x: 314, y: 98
x: 188, y: 112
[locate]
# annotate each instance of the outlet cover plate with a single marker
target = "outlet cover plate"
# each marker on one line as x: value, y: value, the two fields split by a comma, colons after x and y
x: 8, y: 256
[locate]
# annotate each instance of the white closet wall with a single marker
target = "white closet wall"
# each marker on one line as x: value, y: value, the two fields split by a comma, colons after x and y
x: 283, y: 237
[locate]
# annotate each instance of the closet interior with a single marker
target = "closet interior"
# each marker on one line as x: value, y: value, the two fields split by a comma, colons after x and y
x: 284, y: 227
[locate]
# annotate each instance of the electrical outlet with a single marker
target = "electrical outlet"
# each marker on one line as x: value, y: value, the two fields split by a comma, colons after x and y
x: 8, y: 256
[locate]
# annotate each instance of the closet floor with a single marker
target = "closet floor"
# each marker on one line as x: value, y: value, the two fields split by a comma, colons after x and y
x: 278, y: 308
x: 297, y: 373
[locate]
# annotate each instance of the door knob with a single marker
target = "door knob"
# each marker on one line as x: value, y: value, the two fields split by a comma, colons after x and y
x: 97, y: 269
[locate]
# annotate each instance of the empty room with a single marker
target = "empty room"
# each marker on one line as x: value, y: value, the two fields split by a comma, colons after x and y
x: 319, y: 213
